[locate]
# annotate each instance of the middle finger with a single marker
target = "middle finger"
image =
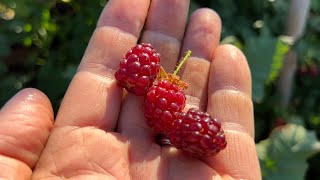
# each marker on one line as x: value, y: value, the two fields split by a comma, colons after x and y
x: 164, y: 29
x: 202, y: 38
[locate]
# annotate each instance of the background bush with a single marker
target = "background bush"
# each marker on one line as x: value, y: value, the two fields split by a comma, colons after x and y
x: 42, y: 42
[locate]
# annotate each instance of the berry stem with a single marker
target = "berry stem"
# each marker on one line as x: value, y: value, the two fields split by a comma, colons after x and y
x: 188, y: 54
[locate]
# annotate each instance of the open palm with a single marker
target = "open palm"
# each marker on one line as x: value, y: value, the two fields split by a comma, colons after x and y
x: 100, y: 131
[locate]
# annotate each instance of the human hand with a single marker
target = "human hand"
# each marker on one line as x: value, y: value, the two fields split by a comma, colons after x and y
x: 100, y: 134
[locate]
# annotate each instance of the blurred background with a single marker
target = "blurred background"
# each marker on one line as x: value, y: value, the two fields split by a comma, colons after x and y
x: 42, y: 42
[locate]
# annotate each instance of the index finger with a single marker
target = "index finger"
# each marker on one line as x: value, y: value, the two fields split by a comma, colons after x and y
x: 93, y: 97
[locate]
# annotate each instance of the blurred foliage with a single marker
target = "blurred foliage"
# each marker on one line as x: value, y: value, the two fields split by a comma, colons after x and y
x: 276, y: 153
x: 42, y: 42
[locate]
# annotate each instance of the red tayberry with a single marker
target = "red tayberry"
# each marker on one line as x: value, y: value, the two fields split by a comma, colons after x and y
x: 198, y: 134
x: 163, y: 103
x: 138, y: 69
x: 303, y: 70
x: 314, y: 71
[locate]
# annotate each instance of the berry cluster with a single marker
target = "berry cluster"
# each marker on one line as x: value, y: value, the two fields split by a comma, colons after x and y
x: 194, y: 131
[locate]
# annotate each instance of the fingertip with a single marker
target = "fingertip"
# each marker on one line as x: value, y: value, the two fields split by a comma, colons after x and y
x: 203, y: 33
x: 230, y: 70
x: 25, y: 124
x: 168, y: 17
x: 27, y: 97
x: 33, y: 95
x: 231, y: 51
x: 207, y: 14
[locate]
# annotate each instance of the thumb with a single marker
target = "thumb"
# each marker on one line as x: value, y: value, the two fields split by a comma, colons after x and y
x: 25, y: 123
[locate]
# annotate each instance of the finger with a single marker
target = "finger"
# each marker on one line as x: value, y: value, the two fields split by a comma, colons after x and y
x: 93, y: 98
x: 230, y: 88
x: 165, y: 27
x: 25, y: 123
x: 229, y: 100
x: 202, y: 38
x: 164, y: 30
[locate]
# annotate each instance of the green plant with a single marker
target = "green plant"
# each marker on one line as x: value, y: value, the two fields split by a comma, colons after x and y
x: 42, y: 45
x: 42, y: 42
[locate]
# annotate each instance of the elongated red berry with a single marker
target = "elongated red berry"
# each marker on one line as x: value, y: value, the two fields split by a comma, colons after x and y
x: 198, y: 134
x: 163, y: 103
x: 165, y: 100
x: 138, y: 69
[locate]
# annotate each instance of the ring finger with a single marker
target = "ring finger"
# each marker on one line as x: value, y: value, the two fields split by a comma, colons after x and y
x: 202, y: 38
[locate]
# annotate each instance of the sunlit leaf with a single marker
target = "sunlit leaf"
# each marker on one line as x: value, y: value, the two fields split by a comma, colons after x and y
x: 284, y: 154
x: 260, y: 52
x: 282, y: 49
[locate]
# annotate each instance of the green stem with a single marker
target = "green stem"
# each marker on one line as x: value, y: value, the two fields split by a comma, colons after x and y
x: 188, y: 54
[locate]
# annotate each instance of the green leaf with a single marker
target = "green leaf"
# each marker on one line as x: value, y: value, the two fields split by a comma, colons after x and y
x: 284, y: 154
x: 54, y: 80
x: 260, y: 52
x: 4, y: 46
x: 315, y: 5
x: 282, y: 49
x: 10, y: 84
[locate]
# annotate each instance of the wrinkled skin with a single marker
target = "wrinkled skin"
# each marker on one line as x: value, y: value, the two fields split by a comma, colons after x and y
x: 100, y: 131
